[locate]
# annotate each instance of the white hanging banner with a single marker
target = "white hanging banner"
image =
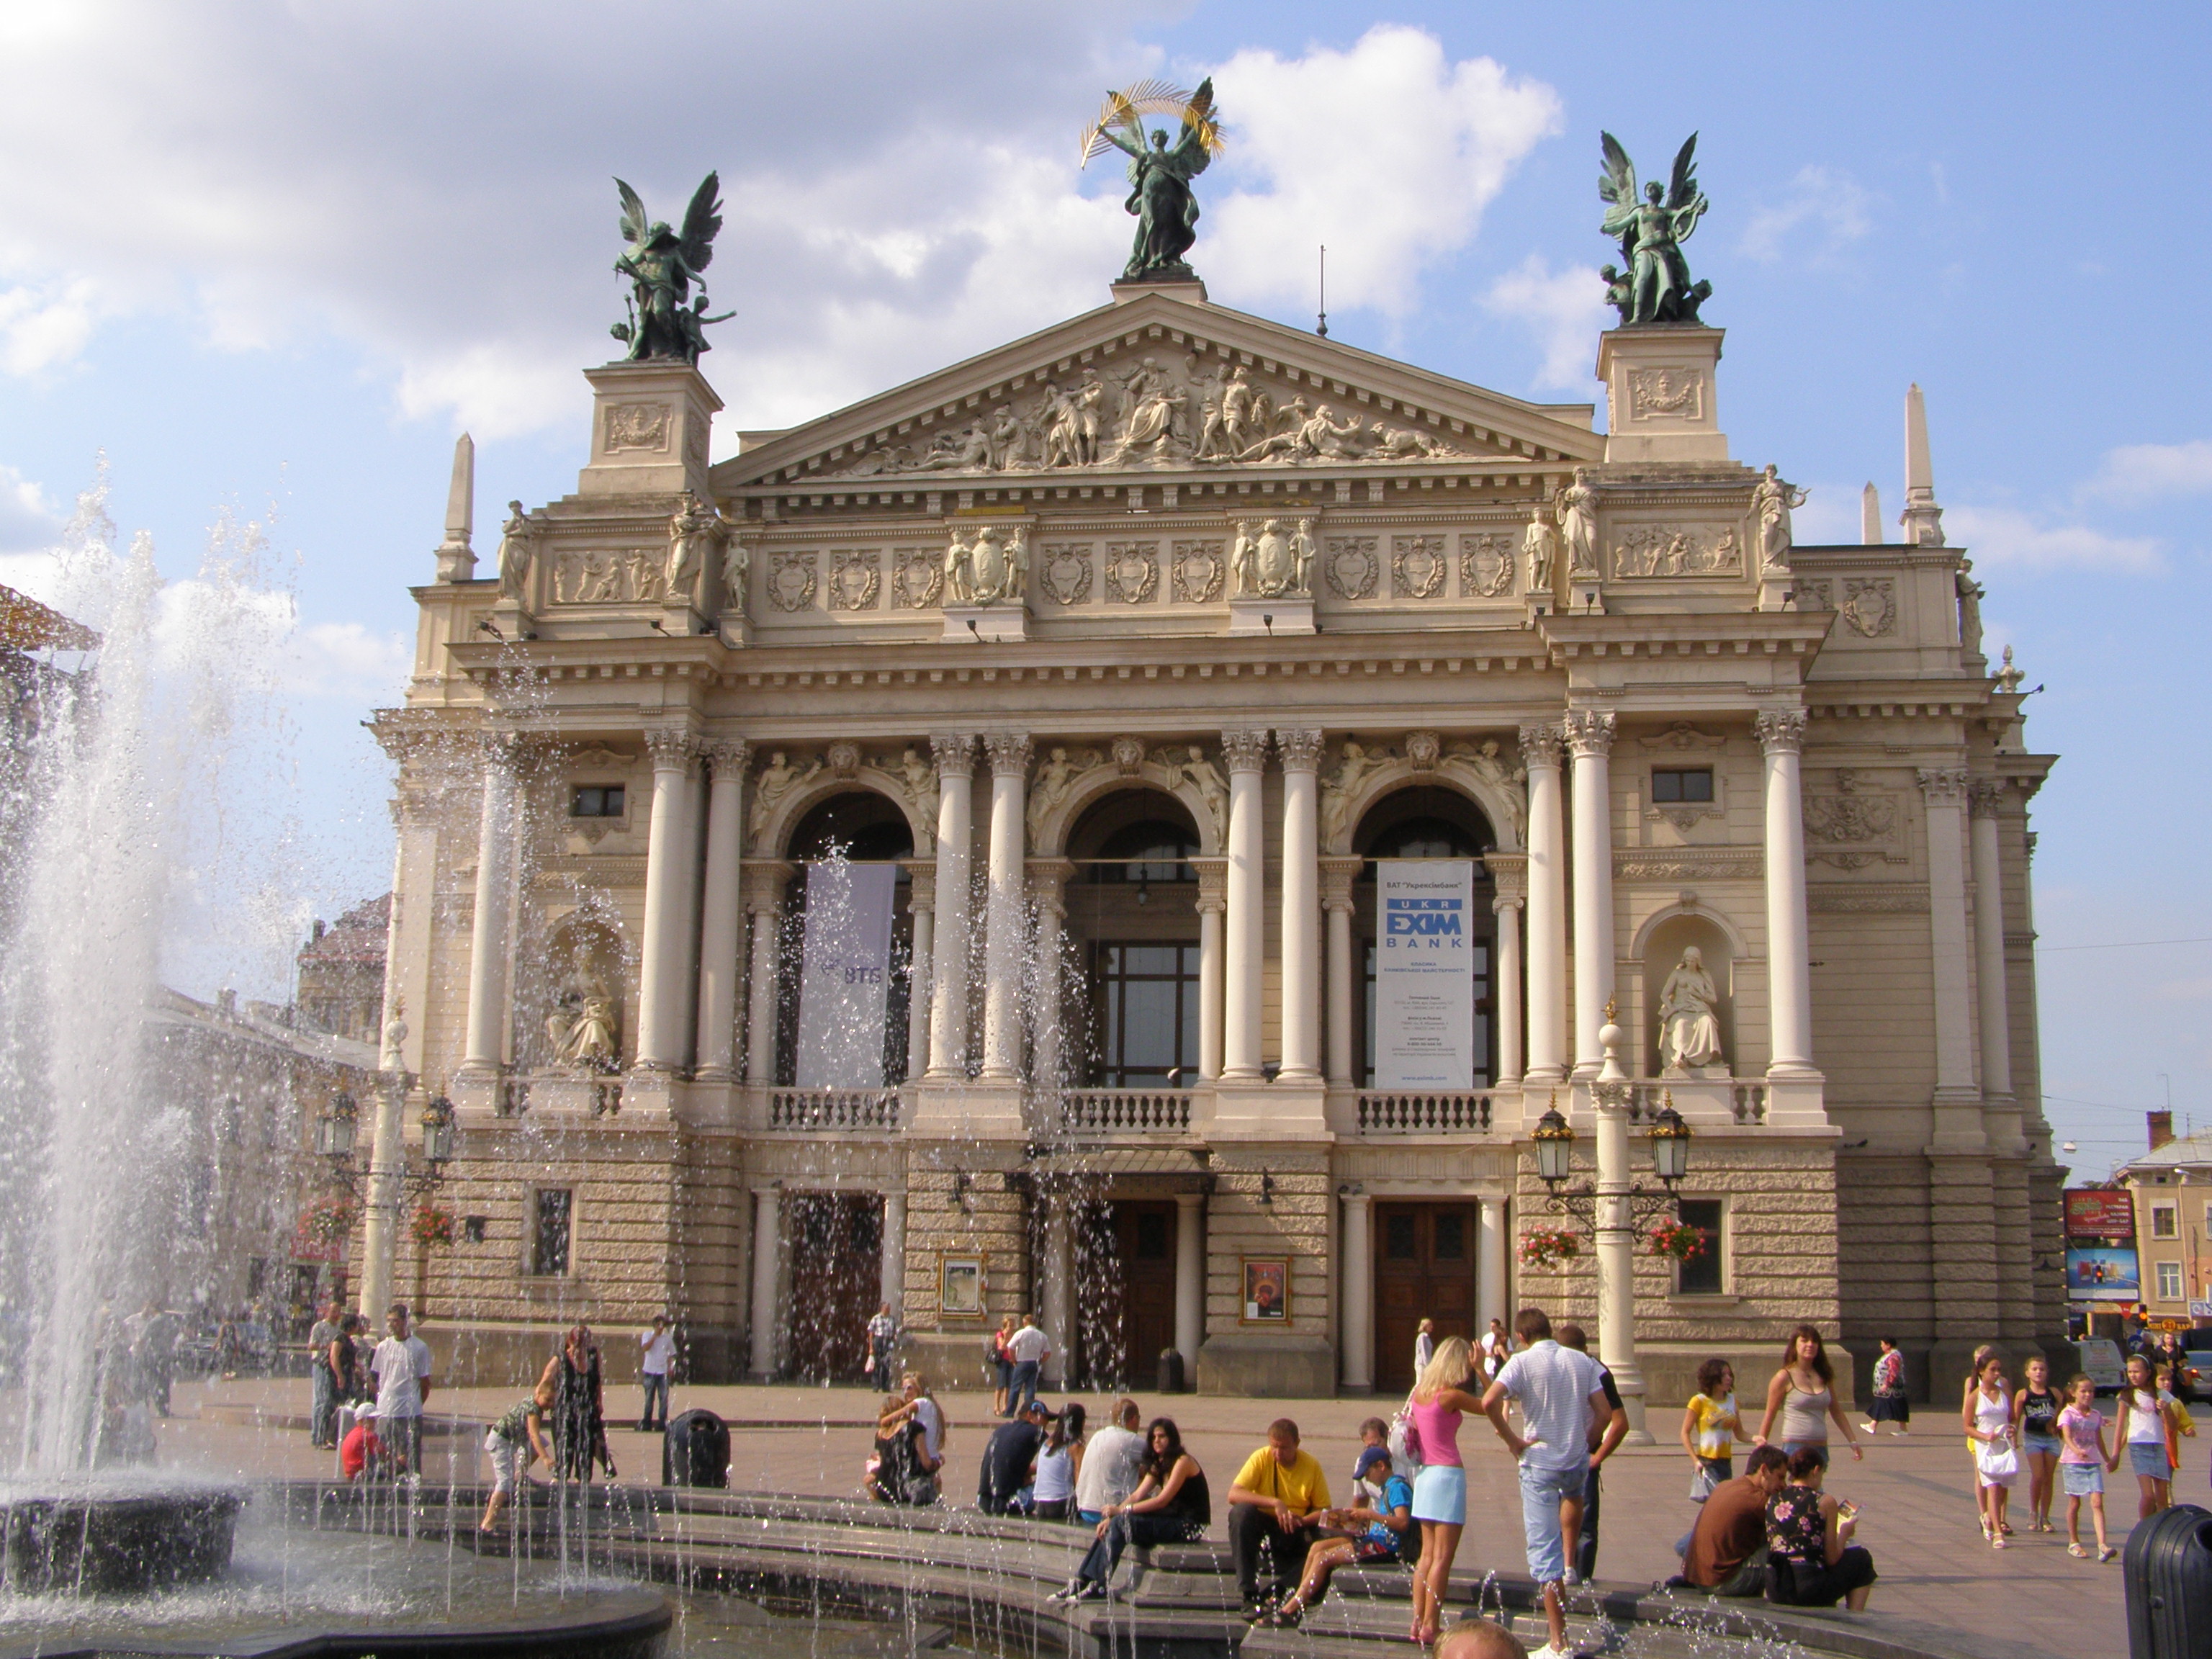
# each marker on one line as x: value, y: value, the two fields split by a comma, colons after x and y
x: 845, y: 971
x: 1424, y: 974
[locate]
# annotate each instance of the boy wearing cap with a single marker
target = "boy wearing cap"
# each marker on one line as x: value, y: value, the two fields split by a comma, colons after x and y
x: 1381, y: 1531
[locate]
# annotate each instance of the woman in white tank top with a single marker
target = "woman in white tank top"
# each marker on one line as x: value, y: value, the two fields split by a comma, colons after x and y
x: 1988, y: 1423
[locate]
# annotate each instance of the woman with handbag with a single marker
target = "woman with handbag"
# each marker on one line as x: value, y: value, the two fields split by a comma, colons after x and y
x: 1890, y: 1404
x: 1437, y: 1404
x: 1988, y: 1422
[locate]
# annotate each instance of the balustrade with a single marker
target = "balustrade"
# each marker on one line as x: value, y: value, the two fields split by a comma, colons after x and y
x: 1422, y: 1112
x: 833, y: 1109
x: 1127, y: 1111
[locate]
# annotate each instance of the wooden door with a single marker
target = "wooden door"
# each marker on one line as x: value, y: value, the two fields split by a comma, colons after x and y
x: 835, y: 1247
x: 1125, y: 1293
x: 1425, y: 1268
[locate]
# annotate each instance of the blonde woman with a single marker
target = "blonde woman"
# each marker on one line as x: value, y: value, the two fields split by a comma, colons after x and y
x: 1987, y: 1417
x: 1439, y: 1400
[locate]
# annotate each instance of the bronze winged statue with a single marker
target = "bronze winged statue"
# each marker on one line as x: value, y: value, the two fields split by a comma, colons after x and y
x: 1652, y: 283
x: 1159, y: 175
x: 666, y: 321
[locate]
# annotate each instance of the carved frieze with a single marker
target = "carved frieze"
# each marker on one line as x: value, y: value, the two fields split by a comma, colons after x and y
x: 607, y: 576
x: 1485, y: 566
x: 1353, y: 567
x: 1132, y: 572
x: 855, y: 581
x: 1856, y: 826
x: 1863, y: 898
x: 1417, y: 566
x: 1200, y: 569
x: 1690, y: 864
x: 637, y: 426
x: 1665, y: 550
x: 1065, y: 574
x: 917, y: 578
x: 1672, y: 394
x: 1682, y: 737
x: 792, y: 579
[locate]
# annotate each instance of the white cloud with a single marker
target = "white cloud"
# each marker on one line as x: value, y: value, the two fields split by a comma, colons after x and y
x: 2005, y: 536
x: 348, y: 663
x: 1825, y: 212
x: 1389, y: 153
x: 2137, y: 470
x: 27, y: 519
x: 1830, y: 517
x: 1564, y: 310
x: 431, y: 183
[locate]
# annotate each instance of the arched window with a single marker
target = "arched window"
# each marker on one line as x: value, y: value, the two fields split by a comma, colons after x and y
x: 1148, y: 851
x: 1424, y: 822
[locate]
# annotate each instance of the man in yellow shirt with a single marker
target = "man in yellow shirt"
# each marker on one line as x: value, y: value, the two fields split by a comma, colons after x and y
x: 1281, y: 1498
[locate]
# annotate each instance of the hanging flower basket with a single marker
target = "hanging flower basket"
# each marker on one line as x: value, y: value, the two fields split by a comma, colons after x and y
x: 1542, y: 1247
x: 1676, y: 1242
x: 433, y: 1226
x: 330, y: 1222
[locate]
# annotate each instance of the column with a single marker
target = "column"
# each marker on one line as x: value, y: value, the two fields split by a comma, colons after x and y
x: 384, y: 1197
x: 1300, y: 1053
x: 763, y: 890
x: 1005, y: 936
x: 894, y: 1269
x: 1985, y: 795
x: 1058, y: 1308
x: 1509, y: 870
x: 1212, y: 898
x: 955, y: 755
x: 1944, y: 791
x: 722, y: 917
x: 1355, y: 1344
x: 1190, y: 1282
x: 1491, y: 1247
x: 1547, y: 908
x: 1048, y: 880
x: 495, y: 838
x: 1781, y: 734
x: 1245, y: 752
x: 767, y: 1249
x: 1590, y: 736
x: 660, y: 1036
x: 1337, y: 875
x: 921, y: 908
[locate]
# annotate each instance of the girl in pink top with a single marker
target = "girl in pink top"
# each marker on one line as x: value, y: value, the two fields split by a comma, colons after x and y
x: 1438, y: 1402
x: 2081, y: 1463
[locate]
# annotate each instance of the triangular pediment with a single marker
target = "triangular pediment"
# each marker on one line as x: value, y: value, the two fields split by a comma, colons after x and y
x: 1161, y: 384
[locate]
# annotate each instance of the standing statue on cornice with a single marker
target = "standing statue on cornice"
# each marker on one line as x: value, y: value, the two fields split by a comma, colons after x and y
x: 665, y: 321
x: 1656, y: 287
x: 1159, y: 177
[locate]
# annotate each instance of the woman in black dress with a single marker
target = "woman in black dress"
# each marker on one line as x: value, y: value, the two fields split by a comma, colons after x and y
x: 580, y: 1434
x: 1170, y: 1505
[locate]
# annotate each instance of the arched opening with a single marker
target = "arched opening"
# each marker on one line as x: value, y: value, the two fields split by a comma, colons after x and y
x: 1427, y: 822
x: 1133, y: 943
x: 856, y: 826
x: 1706, y: 979
x: 576, y: 998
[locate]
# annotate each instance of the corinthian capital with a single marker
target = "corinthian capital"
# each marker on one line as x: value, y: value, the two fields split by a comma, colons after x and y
x: 1780, y: 731
x: 1539, y: 745
x: 1986, y: 795
x: 1299, y: 748
x: 1244, y: 751
x: 1009, y: 752
x: 671, y: 747
x: 502, y: 748
x: 726, y: 757
x: 954, y: 753
x: 1943, y: 786
x: 1590, y: 732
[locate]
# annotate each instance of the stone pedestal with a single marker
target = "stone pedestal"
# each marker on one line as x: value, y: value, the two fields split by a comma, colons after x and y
x: 650, y: 430
x: 1270, y: 617
x: 1659, y: 395
x: 991, y: 624
x: 968, y: 1109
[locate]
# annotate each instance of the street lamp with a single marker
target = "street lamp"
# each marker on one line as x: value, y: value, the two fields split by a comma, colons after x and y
x: 1555, y: 1145
x: 438, y: 1135
x: 1671, y: 1144
x: 335, y: 1126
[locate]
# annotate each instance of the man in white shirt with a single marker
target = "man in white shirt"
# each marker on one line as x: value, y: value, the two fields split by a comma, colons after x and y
x: 1028, y: 1346
x: 660, y: 1354
x: 1493, y: 1349
x: 1560, y: 1396
x: 1109, y: 1473
x: 401, y: 1364
x: 883, y: 1346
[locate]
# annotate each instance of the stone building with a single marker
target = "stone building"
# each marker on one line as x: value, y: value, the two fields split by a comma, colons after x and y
x: 340, y: 985
x: 1135, y: 651
x: 2171, y: 1185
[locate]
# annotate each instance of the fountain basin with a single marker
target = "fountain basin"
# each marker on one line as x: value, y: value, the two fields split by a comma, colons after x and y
x: 95, y: 1542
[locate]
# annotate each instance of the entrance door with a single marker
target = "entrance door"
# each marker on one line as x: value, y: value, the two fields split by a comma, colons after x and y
x: 1423, y: 1269
x: 1125, y: 1293
x: 836, y: 1279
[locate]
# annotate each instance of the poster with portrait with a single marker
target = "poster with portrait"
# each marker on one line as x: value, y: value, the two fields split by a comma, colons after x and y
x: 1266, y: 1299
x: 960, y: 1286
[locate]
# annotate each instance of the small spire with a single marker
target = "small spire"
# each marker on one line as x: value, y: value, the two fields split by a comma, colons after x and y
x: 1321, y: 327
x: 2009, y: 677
x: 1922, y: 519
x: 457, y: 560
x: 1870, y: 516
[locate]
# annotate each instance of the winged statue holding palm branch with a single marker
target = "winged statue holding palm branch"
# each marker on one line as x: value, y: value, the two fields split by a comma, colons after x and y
x: 1159, y: 175
x: 1652, y: 285
x: 666, y: 321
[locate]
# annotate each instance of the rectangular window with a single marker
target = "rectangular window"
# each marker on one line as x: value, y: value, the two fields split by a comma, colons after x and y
x: 1147, y: 1003
x: 2169, y: 1281
x: 596, y: 800
x: 2164, y: 1221
x: 1701, y: 1275
x: 1674, y: 785
x: 549, y: 1238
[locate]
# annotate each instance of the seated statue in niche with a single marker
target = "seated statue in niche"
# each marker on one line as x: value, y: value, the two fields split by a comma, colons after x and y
x: 1689, y: 1028
x: 587, y: 1038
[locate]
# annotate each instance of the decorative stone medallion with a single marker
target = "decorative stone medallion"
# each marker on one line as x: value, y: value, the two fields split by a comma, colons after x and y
x: 637, y: 426
x: 790, y: 581
x: 1200, y: 569
x: 1133, y: 571
x: 917, y: 578
x: 855, y: 579
x: 1066, y: 575
x: 1354, y: 567
x: 1667, y: 394
x: 1485, y: 566
x: 1418, y: 567
x: 1869, y: 605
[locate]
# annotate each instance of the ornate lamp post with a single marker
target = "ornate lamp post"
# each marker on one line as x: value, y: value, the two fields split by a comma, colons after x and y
x: 1614, y: 1206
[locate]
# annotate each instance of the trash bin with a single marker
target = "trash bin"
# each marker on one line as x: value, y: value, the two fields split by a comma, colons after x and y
x: 2168, y: 1569
x: 1171, y: 1377
x: 695, y: 1451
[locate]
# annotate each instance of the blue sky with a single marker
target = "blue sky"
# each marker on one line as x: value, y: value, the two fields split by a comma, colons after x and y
x: 271, y: 259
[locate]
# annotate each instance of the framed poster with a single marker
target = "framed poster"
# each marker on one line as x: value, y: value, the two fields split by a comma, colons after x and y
x: 2101, y: 1213
x: 960, y: 1286
x: 1267, y: 1294
x: 2102, y: 1273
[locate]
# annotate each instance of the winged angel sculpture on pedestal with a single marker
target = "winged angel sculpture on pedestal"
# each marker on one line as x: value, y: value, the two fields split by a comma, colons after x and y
x: 1652, y: 285
x: 664, y: 320
x: 1159, y: 177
